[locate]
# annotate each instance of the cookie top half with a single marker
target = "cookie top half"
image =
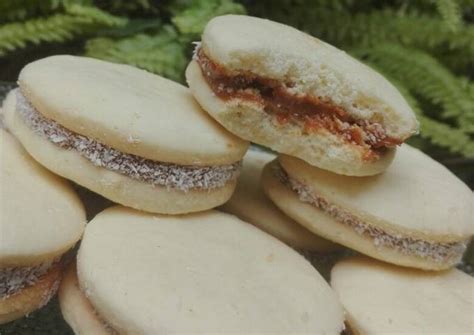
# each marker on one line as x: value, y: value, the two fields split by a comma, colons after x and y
x: 128, y: 109
x: 251, y: 45
x: 200, y: 273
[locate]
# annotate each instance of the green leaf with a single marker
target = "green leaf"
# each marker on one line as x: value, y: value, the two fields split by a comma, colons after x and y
x: 425, y: 76
x: 450, y: 12
x: 193, y: 18
x: 78, y: 21
x: 161, y: 53
x: 11, y: 10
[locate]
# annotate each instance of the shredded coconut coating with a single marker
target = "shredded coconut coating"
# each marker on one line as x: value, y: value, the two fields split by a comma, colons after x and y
x: 434, y: 251
x: 14, y: 279
x: 169, y: 175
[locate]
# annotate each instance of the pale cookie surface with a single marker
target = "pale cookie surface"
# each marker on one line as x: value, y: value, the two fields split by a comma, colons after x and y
x: 384, y: 299
x: 128, y: 109
x: 76, y: 309
x: 416, y: 195
x: 250, y: 204
x: 41, y: 216
x: 276, y: 51
x: 204, y: 273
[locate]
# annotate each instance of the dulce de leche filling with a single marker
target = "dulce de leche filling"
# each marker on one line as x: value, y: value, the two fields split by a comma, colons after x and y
x: 446, y: 252
x: 181, y: 177
x: 311, y: 112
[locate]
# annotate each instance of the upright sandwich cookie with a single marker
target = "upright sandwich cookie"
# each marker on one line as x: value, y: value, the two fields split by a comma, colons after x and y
x: 383, y: 299
x: 196, y: 274
x: 133, y: 137
x: 251, y: 205
x: 415, y: 214
x: 274, y: 85
x: 40, y: 219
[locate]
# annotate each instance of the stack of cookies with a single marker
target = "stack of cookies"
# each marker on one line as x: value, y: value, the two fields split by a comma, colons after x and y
x: 162, y: 260
x: 342, y: 172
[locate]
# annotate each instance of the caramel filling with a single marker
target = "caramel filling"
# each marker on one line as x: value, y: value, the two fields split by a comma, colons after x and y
x: 446, y: 252
x: 181, y: 177
x: 312, y: 113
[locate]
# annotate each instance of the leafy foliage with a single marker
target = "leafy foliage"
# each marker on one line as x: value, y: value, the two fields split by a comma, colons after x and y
x: 159, y: 53
x: 191, y: 20
x: 450, y: 12
x: 77, y: 20
x: 20, y: 9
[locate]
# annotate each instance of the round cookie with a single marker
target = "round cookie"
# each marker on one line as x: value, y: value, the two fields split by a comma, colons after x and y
x: 384, y: 299
x: 203, y: 273
x: 416, y: 214
x: 251, y: 205
x: 133, y: 137
x: 276, y: 86
x: 41, y: 218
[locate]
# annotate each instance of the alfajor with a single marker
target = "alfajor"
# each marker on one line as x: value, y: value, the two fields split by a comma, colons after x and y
x: 417, y: 213
x: 380, y: 298
x: 41, y: 218
x: 274, y: 85
x: 136, y: 138
x: 251, y: 205
x: 203, y: 273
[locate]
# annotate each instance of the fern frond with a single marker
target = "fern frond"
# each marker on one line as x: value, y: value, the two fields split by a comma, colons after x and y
x: 95, y: 15
x: 192, y: 19
x: 450, y: 12
x: 446, y: 136
x: 162, y: 53
x: 78, y: 20
x: 11, y: 10
x: 438, y: 133
x: 346, y: 29
x: 425, y: 76
x: 128, y: 6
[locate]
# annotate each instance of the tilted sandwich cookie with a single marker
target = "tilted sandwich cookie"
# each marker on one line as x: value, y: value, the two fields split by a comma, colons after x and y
x: 417, y: 213
x: 136, y: 138
x: 40, y: 219
x: 380, y: 298
x: 203, y: 273
x: 251, y: 205
x: 279, y: 87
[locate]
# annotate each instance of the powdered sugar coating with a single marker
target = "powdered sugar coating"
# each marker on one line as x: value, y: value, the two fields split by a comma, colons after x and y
x: 13, y: 279
x: 434, y: 251
x: 169, y: 175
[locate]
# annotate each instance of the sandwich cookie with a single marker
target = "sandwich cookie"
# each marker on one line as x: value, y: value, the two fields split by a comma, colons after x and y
x: 274, y: 85
x: 380, y: 298
x: 203, y: 273
x: 136, y: 138
x: 251, y: 205
x: 41, y: 218
x: 416, y: 214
